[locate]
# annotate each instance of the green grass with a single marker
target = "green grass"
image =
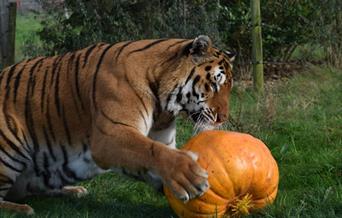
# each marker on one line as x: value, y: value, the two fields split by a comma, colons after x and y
x: 300, y: 119
x: 27, y: 41
x: 301, y: 122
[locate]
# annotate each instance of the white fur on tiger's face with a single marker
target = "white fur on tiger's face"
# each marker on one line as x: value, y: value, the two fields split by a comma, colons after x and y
x: 204, y: 94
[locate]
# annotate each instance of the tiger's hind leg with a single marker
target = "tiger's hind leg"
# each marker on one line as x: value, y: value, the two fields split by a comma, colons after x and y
x: 7, y: 180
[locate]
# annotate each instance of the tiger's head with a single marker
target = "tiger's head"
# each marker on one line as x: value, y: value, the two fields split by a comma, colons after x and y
x: 204, y: 93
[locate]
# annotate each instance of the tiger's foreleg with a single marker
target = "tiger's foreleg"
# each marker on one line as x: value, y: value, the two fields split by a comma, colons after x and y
x: 8, y: 174
x: 117, y: 145
x: 166, y: 136
x: 74, y: 191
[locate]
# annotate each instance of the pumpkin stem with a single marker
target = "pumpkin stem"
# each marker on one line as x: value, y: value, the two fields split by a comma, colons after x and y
x: 242, y: 206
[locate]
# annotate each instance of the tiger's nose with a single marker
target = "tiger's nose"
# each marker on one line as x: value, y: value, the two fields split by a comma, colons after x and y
x: 221, y: 118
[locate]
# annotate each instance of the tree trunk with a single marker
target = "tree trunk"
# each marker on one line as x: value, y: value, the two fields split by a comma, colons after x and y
x: 257, y: 59
x: 8, y: 11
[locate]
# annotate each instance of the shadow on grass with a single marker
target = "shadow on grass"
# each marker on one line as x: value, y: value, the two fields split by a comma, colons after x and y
x: 90, y: 206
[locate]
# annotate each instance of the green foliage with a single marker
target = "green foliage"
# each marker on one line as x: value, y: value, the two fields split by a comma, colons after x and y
x: 27, y: 42
x: 286, y: 24
x: 87, y: 22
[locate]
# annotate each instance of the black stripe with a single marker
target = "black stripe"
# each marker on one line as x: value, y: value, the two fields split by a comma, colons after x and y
x: 13, y: 129
x: 48, y: 143
x: 4, y: 108
x: 85, y: 147
x: 54, y: 67
x: 76, y: 94
x: 64, y: 180
x: 8, y: 89
x: 186, y: 49
x: 47, y: 173
x: 143, y: 104
x: 190, y: 75
x: 49, y: 121
x: 2, y: 74
x: 87, y: 54
x: 196, y: 80
x: 17, y: 84
x: 5, y: 188
x: 68, y: 172
x: 57, y: 100
x: 168, y: 99
x: 214, y: 85
x: 70, y: 65
x: 207, y: 87
x: 174, y: 56
x: 155, y: 88
x: 29, y: 117
x: 42, y: 97
x: 179, y: 95
x: 77, y: 85
x: 66, y: 127
x: 10, y: 166
x: 28, y: 113
x: 97, y: 71
x: 176, y: 43
x: 139, y: 97
x: 148, y: 46
x: 13, y: 146
x: 26, y: 144
x: 10, y: 75
x: 8, y: 155
x: 121, y: 49
x: 115, y: 122
x: 35, y: 76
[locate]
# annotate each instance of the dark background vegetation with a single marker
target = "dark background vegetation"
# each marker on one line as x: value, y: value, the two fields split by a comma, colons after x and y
x: 301, y: 30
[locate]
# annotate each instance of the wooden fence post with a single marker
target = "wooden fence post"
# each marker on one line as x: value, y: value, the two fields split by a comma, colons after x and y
x: 257, y: 59
x: 8, y: 12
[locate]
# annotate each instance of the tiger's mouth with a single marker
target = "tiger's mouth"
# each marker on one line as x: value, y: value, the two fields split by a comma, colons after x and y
x: 203, y: 120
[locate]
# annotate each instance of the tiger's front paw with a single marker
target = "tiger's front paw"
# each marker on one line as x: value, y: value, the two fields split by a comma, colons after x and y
x: 77, y: 191
x: 184, y: 177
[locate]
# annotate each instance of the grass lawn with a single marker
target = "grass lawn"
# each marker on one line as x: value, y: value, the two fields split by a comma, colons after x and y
x: 300, y: 119
x: 26, y: 38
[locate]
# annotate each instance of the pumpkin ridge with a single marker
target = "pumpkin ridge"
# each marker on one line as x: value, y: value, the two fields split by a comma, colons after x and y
x: 267, y: 196
x: 217, y: 195
x: 226, y: 170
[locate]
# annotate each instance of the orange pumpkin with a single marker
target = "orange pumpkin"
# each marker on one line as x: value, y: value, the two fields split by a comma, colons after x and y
x: 243, y: 176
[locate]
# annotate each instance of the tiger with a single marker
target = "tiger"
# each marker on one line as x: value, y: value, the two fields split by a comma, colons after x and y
x: 109, y: 107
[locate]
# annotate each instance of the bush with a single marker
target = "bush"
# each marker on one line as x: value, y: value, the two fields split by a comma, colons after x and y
x: 286, y: 24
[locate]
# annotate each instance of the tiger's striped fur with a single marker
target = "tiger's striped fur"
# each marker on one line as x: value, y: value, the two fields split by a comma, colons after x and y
x: 67, y: 118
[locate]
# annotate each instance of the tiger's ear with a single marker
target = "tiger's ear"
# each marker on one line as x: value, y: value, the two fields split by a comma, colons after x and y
x: 199, y: 49
x: 230, y: 54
